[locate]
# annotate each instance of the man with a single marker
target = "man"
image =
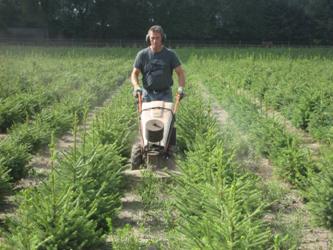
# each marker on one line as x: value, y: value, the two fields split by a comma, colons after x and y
x: 156, y: 64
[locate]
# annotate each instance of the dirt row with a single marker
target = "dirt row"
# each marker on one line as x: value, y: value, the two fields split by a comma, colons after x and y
x: 147, y: 225
x: 313, y: 238
x: 306, y: 139
x: 40, y: 164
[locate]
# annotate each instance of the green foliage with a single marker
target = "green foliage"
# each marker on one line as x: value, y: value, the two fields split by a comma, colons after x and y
x: 285, y: 82
x: 33, y: 136
x: 216, y: 201
x: 149, y: 190
x: 74, y: 207
x: 222, y: 218
x: 201, y: 121
x: 273, y: 191
x: 4, y: 181
x: 320, y: 196
x: 99, y: 193
x: 252, y: 21
x: 288, y: 230
x: 294, y: 164
x: 218, y: 206
x: 108, y: 130
x: 48, y: 94
x: 14, y: 158
x: 20, y: 107
x: 321, y: 121
x: 58, y: 118
x: 294, y: 82
x: 268, y: 135
x: 52, y: 219
x: 125, y: 238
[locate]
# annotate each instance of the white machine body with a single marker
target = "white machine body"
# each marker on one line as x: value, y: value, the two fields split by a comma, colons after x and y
x: 159, y: 110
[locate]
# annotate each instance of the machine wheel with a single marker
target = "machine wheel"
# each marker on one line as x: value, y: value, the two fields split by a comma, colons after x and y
x: 173, y: 137
x: 136, y: 156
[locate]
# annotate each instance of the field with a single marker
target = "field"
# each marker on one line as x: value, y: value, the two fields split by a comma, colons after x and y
x: 254, y: 152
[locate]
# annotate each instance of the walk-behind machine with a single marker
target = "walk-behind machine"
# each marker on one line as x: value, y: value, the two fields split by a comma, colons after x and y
x: 157, y: 133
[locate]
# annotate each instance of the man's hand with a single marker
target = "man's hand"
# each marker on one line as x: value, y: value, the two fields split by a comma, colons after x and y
x: 137, y: 91
x: 181, y: 92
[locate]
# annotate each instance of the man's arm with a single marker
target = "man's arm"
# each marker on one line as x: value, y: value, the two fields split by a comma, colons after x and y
x: 135, y: 78
x: 181, y: 76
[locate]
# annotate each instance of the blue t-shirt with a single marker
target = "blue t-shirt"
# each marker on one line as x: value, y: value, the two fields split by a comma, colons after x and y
x: 156, y: 68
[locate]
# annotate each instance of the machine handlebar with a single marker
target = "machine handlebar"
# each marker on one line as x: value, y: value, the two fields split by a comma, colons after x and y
x: 178, y: 98
x: 175, y: 107
x: 139, y: 102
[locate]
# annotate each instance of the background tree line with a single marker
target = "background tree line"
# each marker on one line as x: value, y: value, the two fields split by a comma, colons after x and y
x: 296, y: 21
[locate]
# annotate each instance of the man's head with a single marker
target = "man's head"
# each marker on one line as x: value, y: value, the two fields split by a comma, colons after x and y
x: 155, y: 37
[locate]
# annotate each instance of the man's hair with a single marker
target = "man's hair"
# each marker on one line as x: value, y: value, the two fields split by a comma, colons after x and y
x: 156, y: 28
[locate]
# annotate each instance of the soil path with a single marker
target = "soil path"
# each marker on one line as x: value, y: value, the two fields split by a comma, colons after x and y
x: 2, y: 136
x: 147, y: 223
x: 40, y: 163
x: 146, y: 220
x: 261, y: 166
x: 312, y: 238
x: 306, y: 139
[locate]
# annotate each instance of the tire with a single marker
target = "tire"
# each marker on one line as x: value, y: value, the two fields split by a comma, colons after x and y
x: 173, y: 137
x: 136, y: 156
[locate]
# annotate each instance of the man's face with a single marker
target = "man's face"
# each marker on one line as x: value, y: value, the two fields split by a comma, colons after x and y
x: 155, y: 40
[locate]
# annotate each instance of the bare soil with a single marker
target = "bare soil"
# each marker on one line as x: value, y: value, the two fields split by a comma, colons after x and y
x: 146, y: 222
x: 306, y: 139
x: 3, y: 136
x: 40, y: 165
x: 313, y: 238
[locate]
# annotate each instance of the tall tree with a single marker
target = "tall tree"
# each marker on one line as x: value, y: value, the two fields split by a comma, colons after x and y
x: 9, y: 13
x: 230, y: 20
x: 321, y: 14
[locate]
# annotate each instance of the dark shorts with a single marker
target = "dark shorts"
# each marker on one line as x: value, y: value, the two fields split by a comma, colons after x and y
x: 151, y: 95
